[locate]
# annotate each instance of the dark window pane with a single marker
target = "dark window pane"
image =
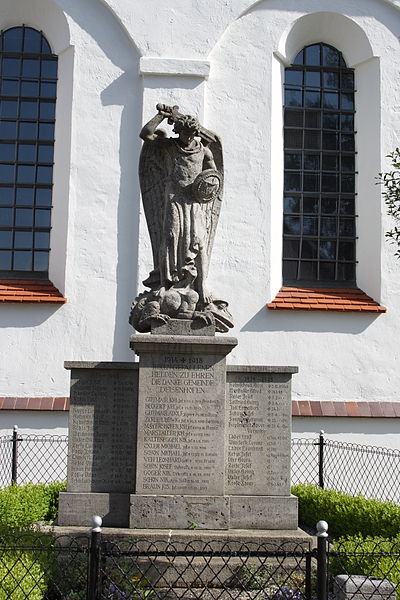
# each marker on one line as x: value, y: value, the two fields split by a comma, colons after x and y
x: 312, y: 99
x: 291, y: 248
x: 23, y: 217
x: 5, y: 239
x: 346, y: 227
x: 42, y: 218
x: 348, y: 183
x: 313, y: 78
x: 5, y: 260
x: 291, y: 205
x: 45, y: 46
x: 347, y: 142
x: 330, y: 121
x: 308, y: 270
x: 346, y: 251
x: 312, y: 140
x: 327, y: 249
x: 49, y: 69
x: 310, y: 205
x: 293, y: 138
x: 6, y: 195
x: 311, y: 162
x: 9, y: 87
x: 27, y: 131
x: 347, y: 80
x: 47, y: 90
x: 294, y: 118
x: 312, y: 55
x: 347, y: 101
x: 29, y: 88
x: 23, y: 239
x: 41, y: 261
x: 30, y: 67
x: 346, y: 272
x: 44, y: 174
x: 294, y: 77
x: 330, y: 56
x: 331, y: 100
x: 32, y: 41
x: 6, y: 173
x: 309, y: 249
x: 9, y: 108
x: 299, y: 58
x: 29, y: 109
x: 311, y: 182
x: 291, y: 225
x: 330, y: 182
x: 26, y: 152
x: 12, y: 40
x: 6, y: 217
x: 329, y: 141
x: 42, y: 239
x: 347, y: 206
x: 329, y: 206
x: 327, y: 271
x: 331, y: 79
x: 26, y: 174
x: 11, y: 67
x: 24, y: 196
x: 310, y: 225
x: 292, y: 182
x: 43, y: 197
x: 46, y: 131
x: 330, y: 162
x: 8, y: 130
x: 7, y: 152
x: 347, y: 122
x: 328, y: 227
x: 45, y: 153
x: 22, y: 260
x: 47, y: 110
x: 293, y: 97
x: 289, y: 269
x: 292, y: 161
x: 313, y: 119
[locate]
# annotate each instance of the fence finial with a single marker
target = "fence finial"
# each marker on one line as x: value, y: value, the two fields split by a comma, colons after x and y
x: 322, y: 529
x: 96, y: 523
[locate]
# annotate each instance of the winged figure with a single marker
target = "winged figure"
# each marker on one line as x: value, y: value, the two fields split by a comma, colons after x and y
x: 181, y: 180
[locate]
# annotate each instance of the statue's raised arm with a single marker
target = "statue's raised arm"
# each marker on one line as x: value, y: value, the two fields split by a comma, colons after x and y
x: 181, y: 180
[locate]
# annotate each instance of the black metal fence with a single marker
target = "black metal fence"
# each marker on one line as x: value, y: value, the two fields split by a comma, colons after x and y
x: 352, y: 468
x: 43, y: 567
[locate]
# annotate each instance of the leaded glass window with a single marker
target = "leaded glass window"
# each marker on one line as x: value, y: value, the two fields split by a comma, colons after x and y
x: 28, y: 79
x: 319, y: 182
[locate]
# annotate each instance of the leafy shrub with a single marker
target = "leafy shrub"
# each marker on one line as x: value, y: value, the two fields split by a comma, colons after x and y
x: 21, y: 577
x: 21, y: 506
x: 347, y: 515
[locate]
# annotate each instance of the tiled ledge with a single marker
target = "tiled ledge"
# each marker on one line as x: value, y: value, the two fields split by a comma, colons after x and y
x: 332, y: 299
x: 30, y: 290
x: 300, y: 408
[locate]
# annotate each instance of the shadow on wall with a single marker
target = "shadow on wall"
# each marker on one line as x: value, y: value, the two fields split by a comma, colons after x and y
x: 126, y: 91
x: 309, y: 321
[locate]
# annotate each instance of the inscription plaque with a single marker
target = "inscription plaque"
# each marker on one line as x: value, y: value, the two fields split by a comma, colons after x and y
x: 180, y: 424
x: 258, y: 434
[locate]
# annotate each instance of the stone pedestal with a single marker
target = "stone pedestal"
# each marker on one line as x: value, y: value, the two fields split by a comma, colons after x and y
x: 180, y: 440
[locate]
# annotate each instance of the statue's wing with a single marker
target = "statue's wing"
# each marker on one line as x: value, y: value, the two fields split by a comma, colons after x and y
x: 153, y: 173
x: 215, y: 208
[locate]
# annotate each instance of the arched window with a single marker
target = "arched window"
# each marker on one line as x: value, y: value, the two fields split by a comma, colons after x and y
x: 28, y: 77
x: 319, y: 182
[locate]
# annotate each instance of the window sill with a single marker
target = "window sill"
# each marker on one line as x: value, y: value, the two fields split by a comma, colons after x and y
x: 340, y: 300
x: 30, y: 290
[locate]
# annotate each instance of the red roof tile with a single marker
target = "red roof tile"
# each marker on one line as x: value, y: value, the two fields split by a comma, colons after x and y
x: 29, y: 290
x: 349, y: 300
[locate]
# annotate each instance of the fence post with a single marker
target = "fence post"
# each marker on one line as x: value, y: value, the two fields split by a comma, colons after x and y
x: 94, y: 558
x: 322, y: 562
x: 14, y: 464
x: 321, y: 459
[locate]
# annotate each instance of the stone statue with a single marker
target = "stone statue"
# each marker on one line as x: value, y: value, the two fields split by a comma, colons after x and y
x: 181, y: 180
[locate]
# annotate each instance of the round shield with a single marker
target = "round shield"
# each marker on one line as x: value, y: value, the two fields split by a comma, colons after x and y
x: 207, y: 185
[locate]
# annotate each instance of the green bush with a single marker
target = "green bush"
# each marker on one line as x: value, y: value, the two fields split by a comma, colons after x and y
x: 21, y: 506
x: 347, y: 515
x: 21, y: 577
